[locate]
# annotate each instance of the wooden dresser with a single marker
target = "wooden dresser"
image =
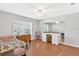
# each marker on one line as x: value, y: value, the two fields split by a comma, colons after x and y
x: 24, y: 38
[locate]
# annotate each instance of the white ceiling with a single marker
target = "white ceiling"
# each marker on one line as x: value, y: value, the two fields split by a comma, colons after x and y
x: 32, y: 10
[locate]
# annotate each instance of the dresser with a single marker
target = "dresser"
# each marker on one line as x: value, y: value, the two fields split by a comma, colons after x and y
x: 25, y: 37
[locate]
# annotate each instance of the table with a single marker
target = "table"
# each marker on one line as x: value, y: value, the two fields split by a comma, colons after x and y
x: 8, y: 51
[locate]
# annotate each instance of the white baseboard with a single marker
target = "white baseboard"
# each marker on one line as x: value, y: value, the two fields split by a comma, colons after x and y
x: 69, y: 44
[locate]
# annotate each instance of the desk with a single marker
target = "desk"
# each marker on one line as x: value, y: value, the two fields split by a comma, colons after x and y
x: 24, y: 38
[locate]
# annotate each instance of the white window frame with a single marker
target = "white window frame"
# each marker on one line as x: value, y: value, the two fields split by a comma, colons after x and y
x: 23, y: 22
x: 45, y: 28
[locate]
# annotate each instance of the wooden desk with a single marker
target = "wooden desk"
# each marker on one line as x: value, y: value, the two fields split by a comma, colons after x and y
x: 24, y: 38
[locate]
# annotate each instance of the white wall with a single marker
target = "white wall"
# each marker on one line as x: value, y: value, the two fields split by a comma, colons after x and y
x: 53, y: 26
x: 71, y: 23
x: 6, y: 22
x: 71, y: 27
x: 58, y: 28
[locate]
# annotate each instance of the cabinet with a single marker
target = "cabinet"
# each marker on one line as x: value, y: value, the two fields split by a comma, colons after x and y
x: 53, y: 38
x: 56, y: 38
x: 62, y: 37
x: 49, y: 38
x: 44, y: 37
x: 24, y: 38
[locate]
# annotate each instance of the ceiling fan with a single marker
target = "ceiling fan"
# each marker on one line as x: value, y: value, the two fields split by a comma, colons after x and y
x: 40, y: 11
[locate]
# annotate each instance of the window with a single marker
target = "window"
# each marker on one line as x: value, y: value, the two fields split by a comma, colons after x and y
x: 45, y: 27
x: 21, y: 27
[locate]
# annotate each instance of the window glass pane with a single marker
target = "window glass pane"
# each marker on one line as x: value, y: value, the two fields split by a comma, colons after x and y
x: 45, y: 27
x: 21, y: 27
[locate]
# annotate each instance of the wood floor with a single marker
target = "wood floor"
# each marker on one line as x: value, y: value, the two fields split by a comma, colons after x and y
x: 39, y: 48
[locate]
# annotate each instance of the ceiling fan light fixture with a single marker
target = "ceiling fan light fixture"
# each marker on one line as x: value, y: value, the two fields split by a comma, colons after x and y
x: 57, y: 22
x: 40, y: 11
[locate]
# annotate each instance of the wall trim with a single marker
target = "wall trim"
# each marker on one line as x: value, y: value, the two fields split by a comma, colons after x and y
x: 69, y: 44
